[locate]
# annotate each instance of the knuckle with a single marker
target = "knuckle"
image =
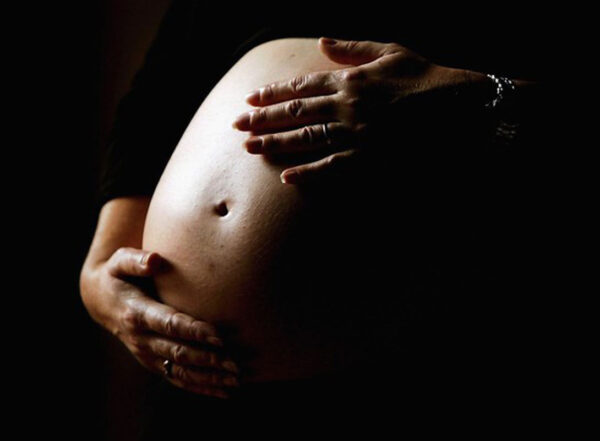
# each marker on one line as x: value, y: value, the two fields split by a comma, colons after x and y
x: 354, y: 75
x: 130, y: 319
x: 294, y: 108
x: 307, y: 135
x: 181, y: 374
x: 178, y: 354
x: 314, y: 79
x: 170, y: 324
x: 351, y: 45
x: 332, y: 79
x: 344, y: 74
x: 115, y: 260
x: 298, y: 83
x: 266, y: 93
x: 258, y: 116
x: 176, y: 322
x: 120, y: 252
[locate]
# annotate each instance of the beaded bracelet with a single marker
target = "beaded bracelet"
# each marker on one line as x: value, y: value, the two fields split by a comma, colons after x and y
x: 504, y: 131
x: 504, y: 88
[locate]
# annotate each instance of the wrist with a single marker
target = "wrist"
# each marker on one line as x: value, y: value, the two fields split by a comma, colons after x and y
x: 489, y: 102
x: 476, y: 86
x: 466, y: 88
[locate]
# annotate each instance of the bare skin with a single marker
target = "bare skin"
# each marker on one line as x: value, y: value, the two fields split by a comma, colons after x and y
x: 111, y: 286
x: 356, y: 103
x: 286, y: 273
x: 290, y: 121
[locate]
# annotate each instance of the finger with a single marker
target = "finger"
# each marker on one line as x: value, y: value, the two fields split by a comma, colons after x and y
x: 308, y: 138
x: 190, y: 376
x: 206, y: 388
x: 301, y: 86
x: 201, y: 390
x: 145, y: 314
x: 187, y: 355
x: 203, y: 377
x: 294, y: 113
x: 128, y: 261
x: 355, y: 52
x: 329, y: 166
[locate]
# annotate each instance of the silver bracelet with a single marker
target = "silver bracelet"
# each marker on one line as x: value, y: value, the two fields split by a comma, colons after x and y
x: 504, y: 132
x: 504, y: 88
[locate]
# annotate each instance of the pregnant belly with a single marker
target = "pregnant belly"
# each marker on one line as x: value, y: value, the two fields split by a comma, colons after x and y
x: 293, y: 275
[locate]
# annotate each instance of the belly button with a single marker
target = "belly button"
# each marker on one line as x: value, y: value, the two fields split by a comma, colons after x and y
x: 221, y: 209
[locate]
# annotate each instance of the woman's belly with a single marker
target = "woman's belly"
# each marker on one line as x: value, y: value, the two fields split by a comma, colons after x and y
x: 291, y: 274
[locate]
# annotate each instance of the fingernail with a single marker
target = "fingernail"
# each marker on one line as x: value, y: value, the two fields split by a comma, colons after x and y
x: 254, y: 145
x: 289, y: 177
x: 153, y: 261
x: 144, y: 259
x: 231, y: 381
x: 328, y: 41
x: 242, y: 122
x: 253, y: 96
x: 231, y: 367
x: 214, y: 341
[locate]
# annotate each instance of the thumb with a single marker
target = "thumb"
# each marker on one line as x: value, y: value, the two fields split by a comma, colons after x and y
x: 127, y: 261
x: 355, y: 52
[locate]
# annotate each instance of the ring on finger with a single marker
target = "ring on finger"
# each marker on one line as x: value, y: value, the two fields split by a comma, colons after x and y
x: 168, y: 368
x: 326, y: 134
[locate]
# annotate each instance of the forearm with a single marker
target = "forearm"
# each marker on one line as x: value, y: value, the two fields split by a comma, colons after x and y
x: 120, y: 224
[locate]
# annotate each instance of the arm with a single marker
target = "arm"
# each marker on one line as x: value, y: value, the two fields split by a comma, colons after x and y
x: 178, y: 71
x: 114, y: 291
x: 387, y: 90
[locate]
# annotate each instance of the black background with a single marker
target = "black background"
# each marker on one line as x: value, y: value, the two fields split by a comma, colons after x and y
x: 70, y: 64
x: 74, y: 61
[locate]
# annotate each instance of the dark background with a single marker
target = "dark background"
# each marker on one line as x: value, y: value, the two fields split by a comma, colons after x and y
x: 75, y: 61
x: 122, y: 31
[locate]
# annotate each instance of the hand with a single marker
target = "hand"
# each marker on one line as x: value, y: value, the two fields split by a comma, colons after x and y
x: 153, y: 331
x: 342, y: 112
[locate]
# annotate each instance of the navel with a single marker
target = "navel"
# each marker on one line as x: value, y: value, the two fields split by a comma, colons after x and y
x: 221, y: 209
